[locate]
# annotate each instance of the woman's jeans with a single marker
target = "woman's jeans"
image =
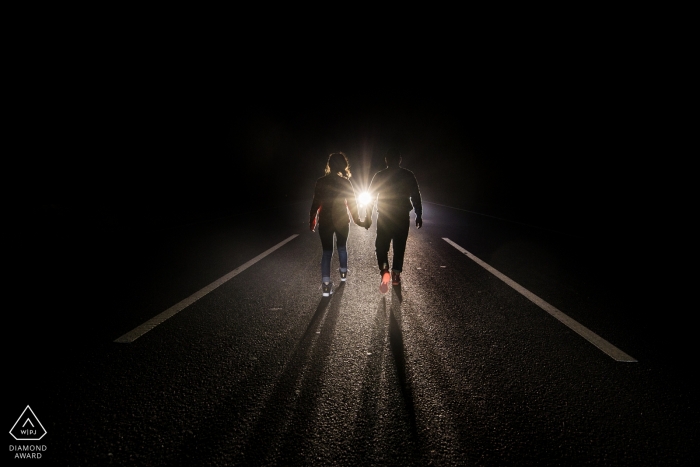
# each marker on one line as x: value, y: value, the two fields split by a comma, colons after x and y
x: 341, y: 238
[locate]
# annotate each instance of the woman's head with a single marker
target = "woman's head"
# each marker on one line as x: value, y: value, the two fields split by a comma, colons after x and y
x: 338, y: 164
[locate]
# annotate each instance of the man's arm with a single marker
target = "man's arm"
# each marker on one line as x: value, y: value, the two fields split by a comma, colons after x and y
x: 373, y: 192
x: 417, y: 202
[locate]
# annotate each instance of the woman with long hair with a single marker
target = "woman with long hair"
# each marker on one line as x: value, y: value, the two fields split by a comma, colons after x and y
x: 333, y: 206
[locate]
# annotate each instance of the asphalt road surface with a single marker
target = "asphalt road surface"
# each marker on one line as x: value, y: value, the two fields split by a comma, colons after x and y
x: 464, y: 364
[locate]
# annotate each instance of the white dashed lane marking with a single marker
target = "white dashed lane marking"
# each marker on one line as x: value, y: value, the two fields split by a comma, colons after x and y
x: 135, y: 333
x: 572, y: 324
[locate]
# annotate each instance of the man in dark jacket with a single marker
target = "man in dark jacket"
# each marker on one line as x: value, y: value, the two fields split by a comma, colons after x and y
x: 395, y: 192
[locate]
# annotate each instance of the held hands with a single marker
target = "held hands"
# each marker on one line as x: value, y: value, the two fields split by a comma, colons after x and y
x: 365, y: 223
x: 419, y: 222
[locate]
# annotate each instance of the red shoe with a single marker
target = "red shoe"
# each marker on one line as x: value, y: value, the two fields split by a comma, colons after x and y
x: 384, y: 286
x: 395, y: 278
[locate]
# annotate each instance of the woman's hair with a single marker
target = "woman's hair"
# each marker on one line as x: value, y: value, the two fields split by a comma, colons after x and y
x: 338, y: 164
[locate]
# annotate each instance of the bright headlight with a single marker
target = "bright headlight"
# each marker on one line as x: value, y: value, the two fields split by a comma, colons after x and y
x: 364, y: 198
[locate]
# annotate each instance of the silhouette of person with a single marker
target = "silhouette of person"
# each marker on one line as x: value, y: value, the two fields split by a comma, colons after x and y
x: 333, y: 205
x: 395, y: 192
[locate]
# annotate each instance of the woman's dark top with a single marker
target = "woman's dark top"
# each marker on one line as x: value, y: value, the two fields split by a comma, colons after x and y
x: 333, y: 197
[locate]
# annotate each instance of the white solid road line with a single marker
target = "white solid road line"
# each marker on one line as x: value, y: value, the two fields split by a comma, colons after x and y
x: 572, y: 324
x: 134, y: 334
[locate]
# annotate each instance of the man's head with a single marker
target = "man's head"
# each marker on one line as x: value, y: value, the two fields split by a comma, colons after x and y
x: 392, y: 157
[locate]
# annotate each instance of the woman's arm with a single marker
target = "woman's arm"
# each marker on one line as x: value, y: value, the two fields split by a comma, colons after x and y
x: 315, y: 208
x: 351, y: 202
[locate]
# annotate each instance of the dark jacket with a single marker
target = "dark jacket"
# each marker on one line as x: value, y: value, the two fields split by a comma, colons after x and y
x: 333, y: 197
x: 395, y: 192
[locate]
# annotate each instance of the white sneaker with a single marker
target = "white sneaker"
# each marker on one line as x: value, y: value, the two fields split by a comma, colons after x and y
x: 327, y: 288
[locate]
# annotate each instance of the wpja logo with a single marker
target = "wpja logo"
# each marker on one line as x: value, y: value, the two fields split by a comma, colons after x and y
x: 28, y: 428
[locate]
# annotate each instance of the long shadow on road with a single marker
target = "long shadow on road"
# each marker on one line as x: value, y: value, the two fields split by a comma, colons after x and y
x: 280, y: 432
x: 367, y: 425
x: 370, y: 433
x: 265, y: 422
x: 398, y: 351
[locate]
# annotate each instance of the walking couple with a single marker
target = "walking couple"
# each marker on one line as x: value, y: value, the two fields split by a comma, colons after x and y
x: 395, y: 192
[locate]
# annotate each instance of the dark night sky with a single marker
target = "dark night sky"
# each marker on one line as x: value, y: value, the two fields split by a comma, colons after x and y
x: 538, y: 134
